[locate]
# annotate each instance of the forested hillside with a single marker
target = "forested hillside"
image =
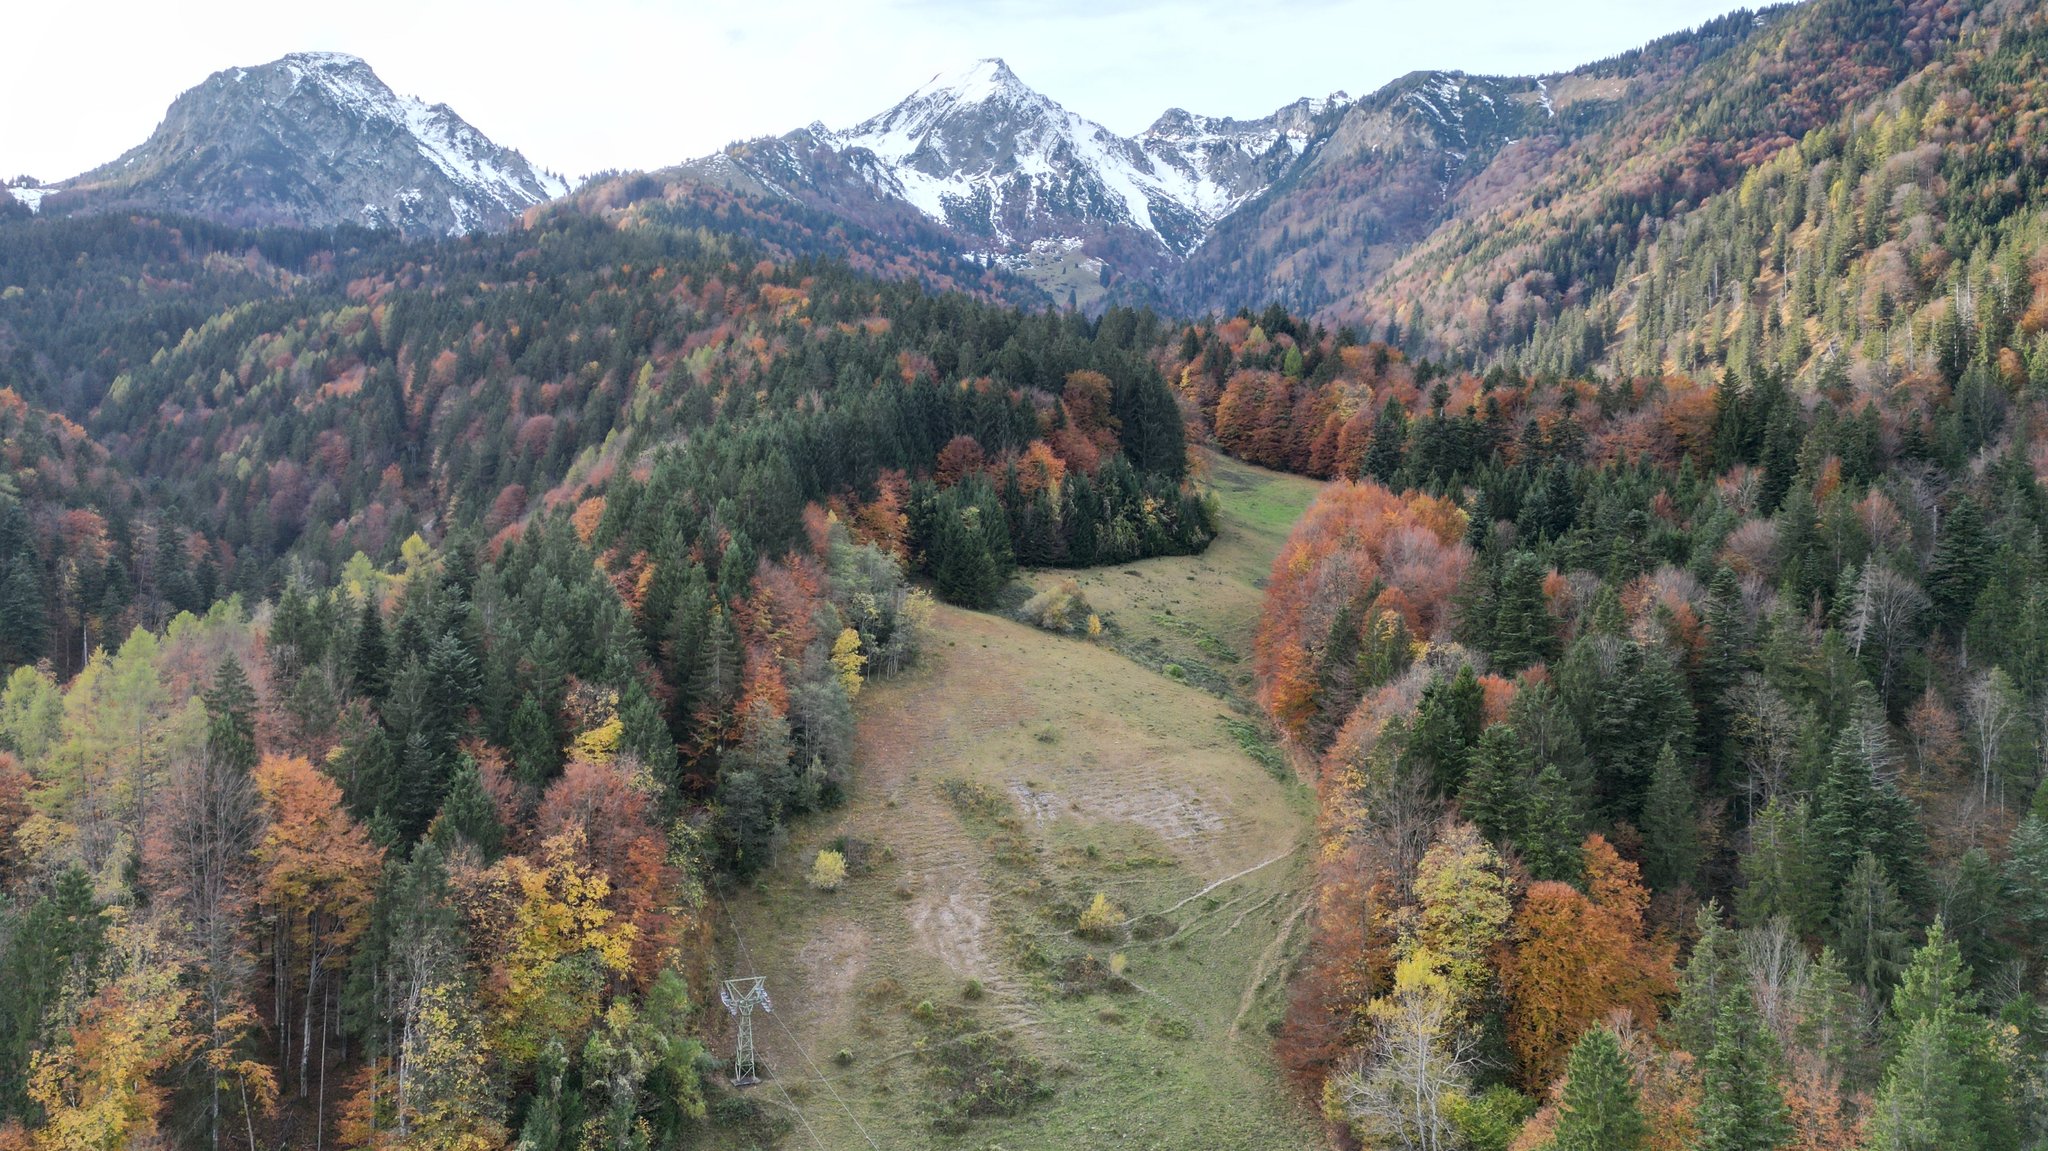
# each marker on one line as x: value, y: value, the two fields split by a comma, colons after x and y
x: 1671, y: 686
x: 407, y: 649
x: 399, y: 638
x: 1854, y: 184
x: 1678, y: 737
x: 1418, y: 158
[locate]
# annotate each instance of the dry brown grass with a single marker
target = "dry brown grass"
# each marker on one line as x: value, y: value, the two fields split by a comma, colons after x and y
x: 1082, y: 771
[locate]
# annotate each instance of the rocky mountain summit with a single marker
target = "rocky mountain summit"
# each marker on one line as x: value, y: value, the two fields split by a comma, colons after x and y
x: 313, y: 139
x: 1020, y: 180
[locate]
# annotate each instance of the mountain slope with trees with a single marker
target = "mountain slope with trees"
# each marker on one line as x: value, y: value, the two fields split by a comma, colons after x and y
x: 407, y: 646
x: 1714, y: 671
x: 395, y: 650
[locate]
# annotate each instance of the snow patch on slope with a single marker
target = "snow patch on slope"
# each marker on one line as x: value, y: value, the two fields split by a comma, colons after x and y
x: 461, y: 153
x: 979, y: 144
x: 31, y: 195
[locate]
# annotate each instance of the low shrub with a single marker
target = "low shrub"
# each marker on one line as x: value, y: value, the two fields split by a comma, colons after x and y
x: 1061, y: 608
x: 828, y: 871
x: 978, y: 1074
x: 1102, y: 919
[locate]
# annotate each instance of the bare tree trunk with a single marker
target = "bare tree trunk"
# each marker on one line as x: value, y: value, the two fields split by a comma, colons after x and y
x: 281, y: 996
x: 248, y: 1121
x: 214, y: 1079
x: 306, y: 1016
x: 320, y: 1108
x: 405, y: 1059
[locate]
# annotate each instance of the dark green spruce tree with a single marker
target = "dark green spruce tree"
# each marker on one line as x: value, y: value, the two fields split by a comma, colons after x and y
x: 1671, y: 845
x: 1741, y: 1106
x: 368, y: 658
x: 1599, y: 1110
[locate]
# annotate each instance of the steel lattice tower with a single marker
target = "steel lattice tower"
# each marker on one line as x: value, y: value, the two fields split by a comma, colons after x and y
x: 740, y: 997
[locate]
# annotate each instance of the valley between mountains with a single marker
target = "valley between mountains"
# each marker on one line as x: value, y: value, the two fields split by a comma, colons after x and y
x: 1012, y: 777
x: 1509, y: 613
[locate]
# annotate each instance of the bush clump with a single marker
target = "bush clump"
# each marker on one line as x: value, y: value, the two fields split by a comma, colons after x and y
x: 860, y: 854
x: 1169, y: 1027
x: 828, y: 871
x: 1102, y: 918
x: 971, y: 798
x: 1061, y: 608
x: 1081, y: 975
x: 978, y: 1075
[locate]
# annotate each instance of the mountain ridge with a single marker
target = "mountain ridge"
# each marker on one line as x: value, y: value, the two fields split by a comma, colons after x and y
x: 314, y: 139
x: 1020, y: 179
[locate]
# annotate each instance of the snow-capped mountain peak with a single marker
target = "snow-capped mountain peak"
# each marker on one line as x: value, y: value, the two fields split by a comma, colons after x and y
x: 949, y: 95
x: 984, y: 80
x: 316, y: 138
x: 461, y: 152
x: 972, y: 118
x: 1021, y: 179
x: 979, y: 149
x: 1293, y: 119
x: 305, y: 63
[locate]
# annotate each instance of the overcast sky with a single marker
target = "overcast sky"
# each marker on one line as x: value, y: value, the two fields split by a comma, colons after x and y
x: 584, y: 85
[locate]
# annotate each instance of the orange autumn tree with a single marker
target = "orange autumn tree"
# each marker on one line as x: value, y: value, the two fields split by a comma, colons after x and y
x: 1575, y: 957
x: 1252, y: 418
x: 317, y: 875
x: 1355, y: 538
x: 1039, y: 469
x: 777, y: 622
x: 882, y: 520
x: 960, y: 458
x: 1347, y: 965
x: 1086, y: 403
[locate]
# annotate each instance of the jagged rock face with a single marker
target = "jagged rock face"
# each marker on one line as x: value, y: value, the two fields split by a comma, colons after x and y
x: 1018, y: 179
x: 997, y: 161
x: 1229, y: 161
x: 315, y: 139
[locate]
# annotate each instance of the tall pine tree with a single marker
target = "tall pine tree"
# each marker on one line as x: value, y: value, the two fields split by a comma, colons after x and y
x: 1671, y: 846
x: 1742, y: 1108
x: 1599, y: 1110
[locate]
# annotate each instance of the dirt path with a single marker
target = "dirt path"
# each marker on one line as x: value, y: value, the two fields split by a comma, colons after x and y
x: 1268, y: 959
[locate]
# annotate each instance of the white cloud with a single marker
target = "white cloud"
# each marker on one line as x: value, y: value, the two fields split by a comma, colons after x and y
x: 641, y: 83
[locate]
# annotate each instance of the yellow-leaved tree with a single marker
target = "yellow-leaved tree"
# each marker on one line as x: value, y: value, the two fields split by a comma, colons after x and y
x: 849, y: 661
x: 1399, y: 1090
x: 1462, y: 911
x: 556, y: 947
x: 828, y: 871
x: 98, y: 1089
x: 601, y: 739
x: 1102, y: 917
x: 449, y: 1101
